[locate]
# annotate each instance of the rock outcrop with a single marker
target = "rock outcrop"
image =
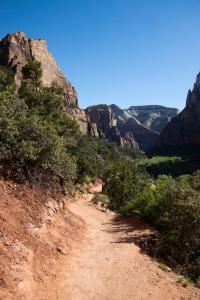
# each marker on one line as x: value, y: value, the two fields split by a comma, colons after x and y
x: 145, y: 137
x: 106, y: 124
x: 182, y: 135
x: 135, y: 126
x: 16, y: 49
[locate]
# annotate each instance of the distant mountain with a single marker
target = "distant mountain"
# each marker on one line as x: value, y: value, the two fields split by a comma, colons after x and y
x: 182, y: 134
x: 136, y: 126
x: 107, y: 126
x: 155, y: 117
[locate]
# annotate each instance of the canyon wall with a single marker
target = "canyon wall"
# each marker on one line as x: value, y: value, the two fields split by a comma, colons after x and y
x: 182, y: 134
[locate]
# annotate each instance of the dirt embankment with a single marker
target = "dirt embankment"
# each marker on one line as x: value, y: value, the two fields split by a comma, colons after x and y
x: 36, y: 235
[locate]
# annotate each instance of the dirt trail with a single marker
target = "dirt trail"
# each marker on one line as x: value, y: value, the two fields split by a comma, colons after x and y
x: 106, y: 265
x: 76, y: 253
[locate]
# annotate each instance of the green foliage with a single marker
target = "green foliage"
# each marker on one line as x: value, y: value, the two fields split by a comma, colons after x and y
x: 132, y: 153
x: 32, y: 73
x: 159, y: 165
x: 122, y: 182
x: 171, y: 166
x: 146, y: 203
x: 179, y: 223
x: 173, y: 207
x: 85, y: 179
x: 87, y: 157
x: 6, y: 79
x: 94, y: 157
x: 101, y: 198
x: 34, y: 130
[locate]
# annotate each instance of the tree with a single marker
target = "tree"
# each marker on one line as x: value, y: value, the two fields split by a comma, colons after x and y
x: 6, y: 79
x: 32, y: 74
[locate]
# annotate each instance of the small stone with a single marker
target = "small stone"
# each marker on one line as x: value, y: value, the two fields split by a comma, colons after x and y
x: 61, y: 250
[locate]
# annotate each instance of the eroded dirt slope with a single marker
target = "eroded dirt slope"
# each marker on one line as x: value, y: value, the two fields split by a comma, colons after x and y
x: 36, y: 235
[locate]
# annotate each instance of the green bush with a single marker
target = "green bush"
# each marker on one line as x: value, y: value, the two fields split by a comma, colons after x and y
x: 101, y: 198
x: 173, y: 207
x: 94, y: 157
x: 179, y: 224
x: 85, y: 179
x: 34, y: 131
x: 122, y: 182
x: 146, y: 203
x: 171, y: 166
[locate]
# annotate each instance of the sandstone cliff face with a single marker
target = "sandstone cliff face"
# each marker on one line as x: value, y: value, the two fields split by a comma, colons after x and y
x: 16, y: 49
x: 136, y: 126
x: 182, y: 134
x: 145, y: 137
x: 106, y: 124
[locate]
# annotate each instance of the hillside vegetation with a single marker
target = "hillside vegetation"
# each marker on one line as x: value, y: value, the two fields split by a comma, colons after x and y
x: 38, y: 137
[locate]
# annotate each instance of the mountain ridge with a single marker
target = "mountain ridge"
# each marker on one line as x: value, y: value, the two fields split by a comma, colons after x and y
x: 142, y: 123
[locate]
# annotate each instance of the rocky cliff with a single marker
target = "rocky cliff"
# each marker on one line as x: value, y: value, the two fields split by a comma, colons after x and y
x: 137, y: 125
x: 106, y: 124
x: 182, y: 134
x: 16, y: 49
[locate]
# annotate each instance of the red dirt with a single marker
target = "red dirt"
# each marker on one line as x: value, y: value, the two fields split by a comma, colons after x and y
x: 34, y: 233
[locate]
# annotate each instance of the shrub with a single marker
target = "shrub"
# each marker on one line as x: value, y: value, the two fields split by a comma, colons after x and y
x: 101, y: 198
x: 146, y: 203
x: 171, y: 166
x: 85, y: 179
x: 122, y: 183
x: 173, y: 207
x: 34, y: 131
x: 179, y: 224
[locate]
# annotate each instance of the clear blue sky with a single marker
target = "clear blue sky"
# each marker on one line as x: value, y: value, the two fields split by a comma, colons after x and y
x: 127, y: 52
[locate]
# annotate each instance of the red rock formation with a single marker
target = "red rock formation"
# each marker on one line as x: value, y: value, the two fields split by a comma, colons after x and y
x: 106, y: 123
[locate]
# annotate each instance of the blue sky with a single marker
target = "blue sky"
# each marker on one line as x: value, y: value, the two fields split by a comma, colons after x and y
x: 127, y: 52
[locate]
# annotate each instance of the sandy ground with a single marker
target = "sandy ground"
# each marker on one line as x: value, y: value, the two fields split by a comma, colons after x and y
x: 108, y: 265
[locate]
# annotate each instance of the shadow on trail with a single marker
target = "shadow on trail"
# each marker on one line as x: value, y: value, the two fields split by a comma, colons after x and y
x: 134, y: 231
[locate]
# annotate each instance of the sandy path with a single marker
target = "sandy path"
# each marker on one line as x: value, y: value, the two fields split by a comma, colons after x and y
x: 105, y: 265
